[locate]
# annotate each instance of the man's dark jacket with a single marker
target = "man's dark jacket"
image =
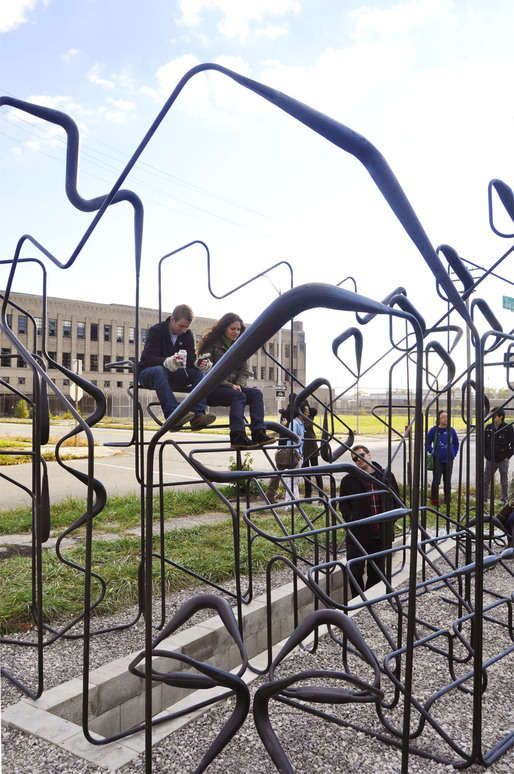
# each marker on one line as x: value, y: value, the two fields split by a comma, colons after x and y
x: 359, y: 507
x: 158, y: 346
x: 502, y: 439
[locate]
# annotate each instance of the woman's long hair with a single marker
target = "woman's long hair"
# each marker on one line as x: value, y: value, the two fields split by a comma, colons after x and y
x: 217, y: 331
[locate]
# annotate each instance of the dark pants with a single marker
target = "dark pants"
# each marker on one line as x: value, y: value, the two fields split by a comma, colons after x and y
x: 161, y: 380
x: 237, y: 400
x: 372, y: 567
x: 312, y: 461
x: 444, y: 470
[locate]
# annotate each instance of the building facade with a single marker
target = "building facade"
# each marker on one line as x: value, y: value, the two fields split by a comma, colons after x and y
x: 86, y: 337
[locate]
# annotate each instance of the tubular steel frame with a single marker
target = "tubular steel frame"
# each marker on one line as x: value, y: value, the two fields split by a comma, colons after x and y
x: 309, y: 540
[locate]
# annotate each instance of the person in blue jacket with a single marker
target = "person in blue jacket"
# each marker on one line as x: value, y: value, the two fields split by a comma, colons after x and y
x: 443, y: 445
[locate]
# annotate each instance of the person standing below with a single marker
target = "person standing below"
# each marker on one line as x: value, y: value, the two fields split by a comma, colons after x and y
x: 167, y: 363
x: 234, y: 391
x: 372, y: 537
x: 499, y: 448
x: 443, y: 445
x: 310, y: 448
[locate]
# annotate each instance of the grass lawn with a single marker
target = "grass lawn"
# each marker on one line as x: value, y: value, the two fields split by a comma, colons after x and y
x: 208, y: 550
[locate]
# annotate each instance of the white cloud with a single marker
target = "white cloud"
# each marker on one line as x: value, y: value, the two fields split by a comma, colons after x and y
x: 171, y: 72
x: 123, y: 108
x: 70, y: 54
x: 237, y: 17
x: 398, y: 20
x: 272, y: 31
x: 94, y: 76
x: 209, y: 97
x: 13, y: 13
x: 122, y: 104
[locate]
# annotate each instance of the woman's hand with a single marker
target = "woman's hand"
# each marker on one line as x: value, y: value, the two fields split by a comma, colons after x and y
x: 236, y: 387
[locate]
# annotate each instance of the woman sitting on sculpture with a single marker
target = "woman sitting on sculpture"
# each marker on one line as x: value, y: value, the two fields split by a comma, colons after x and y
x: 233, y: 391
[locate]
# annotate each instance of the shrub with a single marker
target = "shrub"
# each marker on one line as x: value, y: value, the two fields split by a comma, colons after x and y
x: 21, y: 410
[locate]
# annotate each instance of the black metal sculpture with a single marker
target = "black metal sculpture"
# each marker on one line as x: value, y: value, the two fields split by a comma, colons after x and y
x: 441, y: 552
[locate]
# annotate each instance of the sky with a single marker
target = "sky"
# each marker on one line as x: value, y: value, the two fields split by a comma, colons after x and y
x: 428, y: 82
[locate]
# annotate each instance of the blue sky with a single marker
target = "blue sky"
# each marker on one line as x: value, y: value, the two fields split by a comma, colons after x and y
x: 429, y: 82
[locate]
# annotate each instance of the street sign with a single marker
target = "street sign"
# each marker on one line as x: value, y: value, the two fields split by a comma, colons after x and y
x: 76, y: 392
x: 508, y: 303
x: 280, y: 393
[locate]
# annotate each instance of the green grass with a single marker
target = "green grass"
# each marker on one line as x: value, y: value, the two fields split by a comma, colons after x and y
x: 119, y: 513
x: 208, y: 550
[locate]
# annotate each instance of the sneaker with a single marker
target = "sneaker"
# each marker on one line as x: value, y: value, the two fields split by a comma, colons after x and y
x: 261, y: 438
x: 199, y: 421
x: 239, y: 440
x: 181, y: 422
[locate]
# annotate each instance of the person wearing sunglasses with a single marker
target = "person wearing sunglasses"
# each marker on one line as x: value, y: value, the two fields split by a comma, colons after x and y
x: 364, y: 497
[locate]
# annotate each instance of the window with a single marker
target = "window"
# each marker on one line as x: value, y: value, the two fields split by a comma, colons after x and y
x: 66, y: 359
x: 52, y: 327
x: 81, y: 330
x: 295, y: 351
x: 119, y: 334
x: 254, y: 371
x: 119, y: 384
x: 107, y: 383
x: 39, y: 325
x: 80, y: 362
x: 122, y: 368
x: 20, y: 363
x: 107, y: 360
x: 271, y: 348
x: 21, y: 380
x: 22, y: 323
x: 107, y: 332
x: 94, y: 381
x: 93, y: 362
x: 52, y: 356
x: 5, y: 361
x: 7, y: 379
x: 295, y: 372
x: 66, y: 329
x: 144, y: 334
x: 287, y: 351
x: 132, y: 335
x: 93, y: 331
x: 9, y: 319
x: 263, y: 372
x: 271, y: 374
x: 65, y: 382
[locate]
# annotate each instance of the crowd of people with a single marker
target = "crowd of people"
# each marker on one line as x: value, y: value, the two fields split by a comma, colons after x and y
x: 169, y: 363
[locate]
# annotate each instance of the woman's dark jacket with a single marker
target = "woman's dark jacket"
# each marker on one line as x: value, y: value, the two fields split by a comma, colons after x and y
x: 310, y: 444
x: 217, y: 349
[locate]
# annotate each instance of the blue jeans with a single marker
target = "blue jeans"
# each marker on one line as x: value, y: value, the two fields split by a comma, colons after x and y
x: 237, y: 400
x: 490, y: 469
x: 444, y: 471
x: 161, y: 380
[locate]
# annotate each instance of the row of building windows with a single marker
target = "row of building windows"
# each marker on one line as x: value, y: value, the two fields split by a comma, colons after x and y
x: 21, y: 380
x: 109, y: 332
x: 6, y: 361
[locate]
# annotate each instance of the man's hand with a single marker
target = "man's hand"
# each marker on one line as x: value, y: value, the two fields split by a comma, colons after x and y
x: 173, y: 363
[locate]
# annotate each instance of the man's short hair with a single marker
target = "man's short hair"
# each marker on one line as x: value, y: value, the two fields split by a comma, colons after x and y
x: 499, y: 412
x: 357, y: 449
x: 183, y: 312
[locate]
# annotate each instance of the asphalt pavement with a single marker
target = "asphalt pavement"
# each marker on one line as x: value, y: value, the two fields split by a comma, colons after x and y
x: 115, y: 466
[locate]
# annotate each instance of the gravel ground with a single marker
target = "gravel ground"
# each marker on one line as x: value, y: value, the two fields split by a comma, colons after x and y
x: 312, y: 744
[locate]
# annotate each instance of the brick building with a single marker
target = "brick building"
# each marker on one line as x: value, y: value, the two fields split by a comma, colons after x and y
x: 89, y: 335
